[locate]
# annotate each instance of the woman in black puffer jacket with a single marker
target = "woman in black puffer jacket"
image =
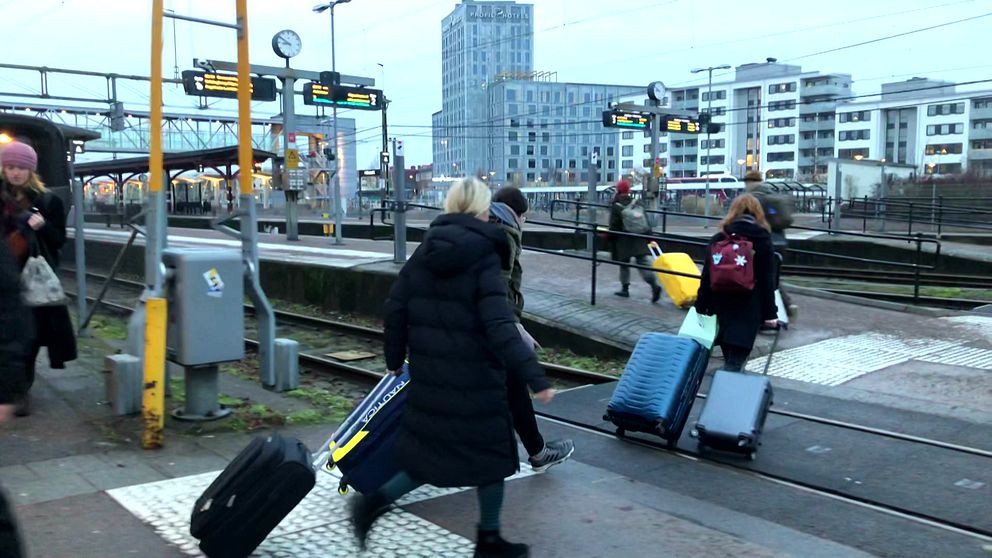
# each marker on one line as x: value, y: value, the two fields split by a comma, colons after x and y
x: 740, y: 314
x: 448, y: 313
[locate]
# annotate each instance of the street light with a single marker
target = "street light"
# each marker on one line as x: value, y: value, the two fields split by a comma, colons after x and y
x: 709, y: 112
x: 740, y: 164
x: 319, y: 9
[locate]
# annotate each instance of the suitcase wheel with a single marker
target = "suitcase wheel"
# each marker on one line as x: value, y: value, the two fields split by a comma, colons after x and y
x: 621, y: 432
x: 751, y: 455
x: 343, y: 488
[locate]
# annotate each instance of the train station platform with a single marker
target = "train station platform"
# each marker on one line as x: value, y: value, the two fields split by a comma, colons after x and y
x: 83, y: 487
x: 828, y: 480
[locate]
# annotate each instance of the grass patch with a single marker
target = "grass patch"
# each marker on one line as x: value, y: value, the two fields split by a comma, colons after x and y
x: 936, y: 292
x: 314, y: 311
x: 330, y: 406
x: 108, y: 327
x: 565, y: 357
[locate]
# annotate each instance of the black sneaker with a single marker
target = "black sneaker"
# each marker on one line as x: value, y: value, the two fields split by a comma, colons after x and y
x: 489, y: 544
x: 364, y: 511
x: 556, y: 452
x: 655, y: 293
x: 623, y: 293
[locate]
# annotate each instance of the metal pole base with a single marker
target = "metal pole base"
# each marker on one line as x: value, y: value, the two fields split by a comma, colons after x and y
x: 202, y: 396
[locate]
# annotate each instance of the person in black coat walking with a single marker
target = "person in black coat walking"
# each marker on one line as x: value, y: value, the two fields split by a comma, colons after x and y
x: 34, y: 219
x: 14, y: 343
x: 448, y: 313
x: 627, y: 247
x: 741, y: 314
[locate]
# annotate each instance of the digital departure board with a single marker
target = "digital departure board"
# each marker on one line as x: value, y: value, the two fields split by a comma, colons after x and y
x: 360, y: 98
x: 624, y: 119
x: 213, y: 84
x: 680, y: 124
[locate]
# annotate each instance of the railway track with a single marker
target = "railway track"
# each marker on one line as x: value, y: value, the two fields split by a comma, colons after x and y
x: 582, y: 377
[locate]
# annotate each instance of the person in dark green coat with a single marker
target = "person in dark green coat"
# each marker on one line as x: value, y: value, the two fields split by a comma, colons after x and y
x: 507, y: 211
x: 626, y: 248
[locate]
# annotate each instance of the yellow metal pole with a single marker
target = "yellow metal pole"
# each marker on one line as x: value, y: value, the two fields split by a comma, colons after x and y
x: 245, y: 158
x: 155, y: 118
x: 153, y: 397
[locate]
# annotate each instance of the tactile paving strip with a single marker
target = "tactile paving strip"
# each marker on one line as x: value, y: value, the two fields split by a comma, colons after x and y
x: 317, y: 527
x: 970, y: 357
x: 835, y: 361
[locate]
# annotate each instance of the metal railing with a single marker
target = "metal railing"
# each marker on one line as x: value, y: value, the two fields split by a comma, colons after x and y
x: 936, y: 214
x: 575, y: 223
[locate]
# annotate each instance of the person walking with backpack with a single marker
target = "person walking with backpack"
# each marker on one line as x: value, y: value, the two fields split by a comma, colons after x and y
x: 778, y: 212
x: 738, y: 280
x: 507, y: 211
x: 628, y: 215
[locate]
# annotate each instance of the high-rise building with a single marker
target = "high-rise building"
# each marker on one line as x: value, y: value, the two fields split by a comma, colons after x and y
x: 480, y: 41
x: 920, y: 122
x: 773, y: 117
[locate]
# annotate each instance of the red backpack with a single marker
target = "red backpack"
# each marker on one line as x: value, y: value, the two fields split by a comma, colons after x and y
x: 732, y: 265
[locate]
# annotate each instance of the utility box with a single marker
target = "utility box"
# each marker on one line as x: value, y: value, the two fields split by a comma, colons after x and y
x: 205, y: 290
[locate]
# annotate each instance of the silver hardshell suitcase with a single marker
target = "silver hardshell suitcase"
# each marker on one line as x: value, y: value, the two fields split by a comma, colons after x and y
x: 736, y: 407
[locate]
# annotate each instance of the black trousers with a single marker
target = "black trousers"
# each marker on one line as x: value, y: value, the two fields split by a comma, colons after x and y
x: 522, y: 410
x: 734, y: 357
x: 10, y: 540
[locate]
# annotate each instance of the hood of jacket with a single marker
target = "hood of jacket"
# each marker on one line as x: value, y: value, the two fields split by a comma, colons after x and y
x: 501, y: 214
x: 456, y: 242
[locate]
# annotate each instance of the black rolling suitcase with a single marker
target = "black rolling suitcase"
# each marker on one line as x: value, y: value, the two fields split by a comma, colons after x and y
x: 251, y: 496
x: 735, y: 411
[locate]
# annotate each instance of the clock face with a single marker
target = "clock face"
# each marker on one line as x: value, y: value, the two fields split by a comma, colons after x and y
x: 656, y: 91
x: 287, y: 43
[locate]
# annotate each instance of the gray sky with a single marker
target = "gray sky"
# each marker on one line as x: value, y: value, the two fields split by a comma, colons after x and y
x: 623, y: 41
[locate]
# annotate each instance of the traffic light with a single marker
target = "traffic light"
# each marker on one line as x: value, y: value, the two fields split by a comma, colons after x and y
x: 704, y: 118
x: 329, y: 153
x: 384, y: 157
x: 713, y: 128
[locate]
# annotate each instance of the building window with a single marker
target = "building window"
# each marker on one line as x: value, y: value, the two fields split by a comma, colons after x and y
x: 782, y: 105
x: 945, y: 129
x: 627, y: 151
x: 947, y: 108
x: 781, y: 122
x: 851, y: 153
x: 531, y: 136
x: 850, y: 135
x: 717, y: 95
x: 627, y: 135
x: 781, y: 156
x: 981, y: 144
x: 982, y: 103
x: 514, y: 150
x: 627, y: 164
x: 782, y: 87
x: 712, y: 160
x: 717, y: 143
x: 983, y: 124
x: 856, y: 116
x: 784, y: 139
x: 511, y: 164
x: 511, y: 136
x: 944, y: 148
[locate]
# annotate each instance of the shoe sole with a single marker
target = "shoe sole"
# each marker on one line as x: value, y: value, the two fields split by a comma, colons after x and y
x: 547, y: 466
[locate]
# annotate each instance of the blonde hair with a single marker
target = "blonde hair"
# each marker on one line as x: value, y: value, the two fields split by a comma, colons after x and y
x: 468, y: 196
x: 745, y: 204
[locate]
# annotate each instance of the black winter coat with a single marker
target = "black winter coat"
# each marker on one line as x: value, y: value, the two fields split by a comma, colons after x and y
x: 14, y: 329
x: 740, y: 315
x: 624, y: 247
x: 448, y: 312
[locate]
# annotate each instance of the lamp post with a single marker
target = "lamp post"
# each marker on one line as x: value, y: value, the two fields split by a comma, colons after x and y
x: 709, y: 112
x: 740, y: 167
x: 319, y: 9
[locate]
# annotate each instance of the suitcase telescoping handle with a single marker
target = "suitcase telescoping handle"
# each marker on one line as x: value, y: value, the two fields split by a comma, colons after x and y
x: 655, y: 249
x: 768, y: 360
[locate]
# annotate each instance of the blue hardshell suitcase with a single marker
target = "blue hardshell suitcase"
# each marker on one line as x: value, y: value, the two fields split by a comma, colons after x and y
x: 658, y: 386
x: 362, y: 447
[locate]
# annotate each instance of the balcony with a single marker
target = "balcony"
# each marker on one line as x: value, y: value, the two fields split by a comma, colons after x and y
x: 816, y: 125
x: 982, y: 113
x: 979, y: 154
x: 836, y: 89
x: 980, y: 133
